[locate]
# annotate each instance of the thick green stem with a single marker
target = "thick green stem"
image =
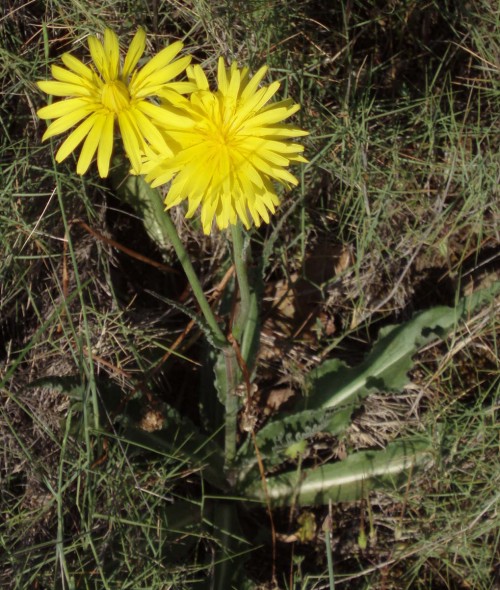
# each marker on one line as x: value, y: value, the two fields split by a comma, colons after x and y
x: 233, y: 373
x: 228, y: 376
x: 246, y: 322
x: 240, y: 265
x: 243, y: 329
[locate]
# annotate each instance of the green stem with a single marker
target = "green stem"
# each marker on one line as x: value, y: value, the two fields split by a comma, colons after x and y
x: 149, y: 205
x: 193, y: 279
x: 168, y: 229
x: 233, y: 373
x: 240, y: 265
x: 244, y: 328
x: 246, y: 322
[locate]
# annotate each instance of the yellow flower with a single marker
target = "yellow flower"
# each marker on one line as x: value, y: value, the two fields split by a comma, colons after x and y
x: 108, y: 91
x: 234, y: 147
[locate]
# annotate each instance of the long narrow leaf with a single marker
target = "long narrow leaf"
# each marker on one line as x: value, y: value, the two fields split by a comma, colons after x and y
x: 385, y: 368
x: 346, y: 480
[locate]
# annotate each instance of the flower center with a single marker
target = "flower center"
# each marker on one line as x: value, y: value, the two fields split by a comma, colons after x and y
x: 115, y: 96
x: 222, y: 137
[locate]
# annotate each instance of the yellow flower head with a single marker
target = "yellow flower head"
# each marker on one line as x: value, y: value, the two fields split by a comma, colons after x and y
x: 108, y: 91
x: 231, y: 151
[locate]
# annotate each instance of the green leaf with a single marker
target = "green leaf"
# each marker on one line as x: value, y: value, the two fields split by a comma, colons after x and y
x: 336, y: 390
x: 70, y: 385
x: 347, y: 480
x: 385, y: 368
x: 110, y: 396
x: 276, y: 438
x: 145, y: 201
x: 199, y: 320
x: 295, y: 450
x: 179, y: 437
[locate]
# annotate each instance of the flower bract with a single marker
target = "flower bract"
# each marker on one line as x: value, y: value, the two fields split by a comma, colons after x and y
x: 108, y: 91
x: 231, y: 147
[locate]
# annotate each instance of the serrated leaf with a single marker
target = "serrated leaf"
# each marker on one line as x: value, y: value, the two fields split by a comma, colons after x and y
x: 295, y: 450
x: 347, y: 480
x: 276, y: 437
x: 337, y: 390
x: 70, y: 385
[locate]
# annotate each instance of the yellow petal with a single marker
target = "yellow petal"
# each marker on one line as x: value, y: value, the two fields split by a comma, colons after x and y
x: 130, y: 140
x: 63, y: 88
x: 253, y: 84
x: 271, y: 116
x: 151, y: 133
x: 282, y: 147
x: 154, y: 82
x: 252, y: 174
x: 64, y: 123
x: 77, y: 66
x: 207, y: 216
x: 234, y: 85
x: 156, y: 179
x: 194, y: 203
x: 170, y: 118
x: 261, y: 165
x: 64, y: 75
x: 62, y: 108
x: 105, y: 148
x: 223, y: 213
x: 274, y: 158
x: 248, y: 108
x: 176, y: 88
x: 158, y: 62
x: 98, y: 57
x: 90, y: 145
x: 198, y: 77
x: 176, y: 193
x: 75, y: 138
x: 222, y: 82
x: 262, y: 210
x: 276, y: 131
x: 112, y: 53
x: 134, y: 53
x: 241, y: 210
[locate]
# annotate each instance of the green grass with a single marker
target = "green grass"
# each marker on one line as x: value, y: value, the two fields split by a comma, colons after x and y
x: 404, y: 167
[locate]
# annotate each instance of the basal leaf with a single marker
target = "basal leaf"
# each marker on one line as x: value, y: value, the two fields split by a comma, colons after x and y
x: 145, y: 201
x: 346, y: 480
x: 385, y: 368
x: 70, y: 385
x: 336, y: 390
x: 276, y: 438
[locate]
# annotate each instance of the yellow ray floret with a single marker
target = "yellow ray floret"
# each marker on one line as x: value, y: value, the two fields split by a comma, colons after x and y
x: 107, y: 92
x: 232, y: 145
